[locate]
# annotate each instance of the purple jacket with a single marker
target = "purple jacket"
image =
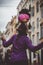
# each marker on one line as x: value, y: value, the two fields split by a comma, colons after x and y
x: 19, y: 47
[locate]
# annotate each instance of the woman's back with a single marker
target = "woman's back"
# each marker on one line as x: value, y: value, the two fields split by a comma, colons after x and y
x: 19, y: 48
x: 20, y: 44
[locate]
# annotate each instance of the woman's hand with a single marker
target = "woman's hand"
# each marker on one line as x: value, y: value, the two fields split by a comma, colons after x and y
x: 41, y: 40
x: 3, y: 37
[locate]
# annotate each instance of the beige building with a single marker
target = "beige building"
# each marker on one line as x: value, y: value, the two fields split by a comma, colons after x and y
x: 10, y: 31
x: 41, y: 28
x: 13, y: 24
x: 41, y: 22
x: 10, y: 28
x: 1, y: 48
x: 34, y: 7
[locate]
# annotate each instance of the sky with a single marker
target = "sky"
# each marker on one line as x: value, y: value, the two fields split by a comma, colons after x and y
x: 8, y: 8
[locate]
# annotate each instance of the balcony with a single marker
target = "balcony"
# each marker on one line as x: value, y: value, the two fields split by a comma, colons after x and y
x: 41, y: 31
x: 41, y: 20
x: 41, y: 2
x: 41, y: 25
x: 41, y: 7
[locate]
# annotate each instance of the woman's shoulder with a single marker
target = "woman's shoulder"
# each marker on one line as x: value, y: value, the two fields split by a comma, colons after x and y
x: 13, y: 36
x: 27, y: 38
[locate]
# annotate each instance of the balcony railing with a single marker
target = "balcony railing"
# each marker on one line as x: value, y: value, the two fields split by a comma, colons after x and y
x: 41, y: 2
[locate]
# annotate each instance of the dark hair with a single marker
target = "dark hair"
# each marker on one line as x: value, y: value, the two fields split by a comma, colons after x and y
x: 22, y: 29
x: 24, y: 11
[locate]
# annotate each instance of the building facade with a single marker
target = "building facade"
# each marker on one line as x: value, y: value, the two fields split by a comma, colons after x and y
x: 34, y: 7
x: 41, y: 28
x: 41, y: 22
x: 10, y: 31
x: 10, y: 28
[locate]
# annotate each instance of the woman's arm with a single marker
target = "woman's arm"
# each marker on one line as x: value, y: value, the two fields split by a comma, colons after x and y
x: 31, y: 47
x: 7, y: 43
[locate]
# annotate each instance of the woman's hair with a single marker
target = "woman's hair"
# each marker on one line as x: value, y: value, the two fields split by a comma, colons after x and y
x: 22, y: 29
x: 25, y: 11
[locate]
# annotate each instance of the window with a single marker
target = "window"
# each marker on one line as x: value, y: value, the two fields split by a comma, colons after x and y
x: 32, y: 11
x: 30, y: 34
x: 29, y: 26
x: 30, y: 7
x: 42, y: 11
x: 38, y: 37
x: 33, y: 37
x: 41, y: 30
x: 34, y: 55
x: 37, y: 22
x: 31, y: 0
x: 0, y: 41
x: 21, y: 1
x: 33, y: 26
x: 12, y: 29
x: 37, y: 6
x: 1, y: 50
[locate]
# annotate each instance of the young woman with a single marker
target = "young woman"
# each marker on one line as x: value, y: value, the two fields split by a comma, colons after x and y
x: 21, y: 42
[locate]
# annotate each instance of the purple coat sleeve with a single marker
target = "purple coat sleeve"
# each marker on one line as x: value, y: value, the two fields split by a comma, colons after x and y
x: 7, y: 43
x: 31, y: 47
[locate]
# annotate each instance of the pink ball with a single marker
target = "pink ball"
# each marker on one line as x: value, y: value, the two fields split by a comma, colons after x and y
x: 21, y: 17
